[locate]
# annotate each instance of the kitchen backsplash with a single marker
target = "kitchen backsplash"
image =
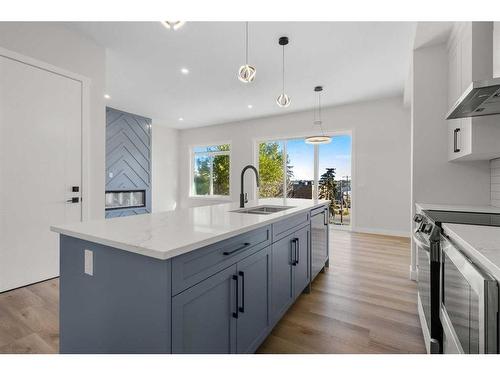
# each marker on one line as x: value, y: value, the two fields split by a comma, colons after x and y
x: 495, y: 182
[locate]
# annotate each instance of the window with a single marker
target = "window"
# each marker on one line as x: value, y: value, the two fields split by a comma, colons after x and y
x: 211, y: 170
x: 295, y: 169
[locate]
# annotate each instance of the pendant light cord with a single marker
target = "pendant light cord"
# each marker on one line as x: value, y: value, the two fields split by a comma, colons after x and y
x: 246, y: 53
x: 283, y: 86
x: 319, y: 114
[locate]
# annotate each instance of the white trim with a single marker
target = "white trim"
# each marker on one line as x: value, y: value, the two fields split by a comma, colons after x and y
x: 413, y: 273
x: 85, y: 119
x: 381, y: 231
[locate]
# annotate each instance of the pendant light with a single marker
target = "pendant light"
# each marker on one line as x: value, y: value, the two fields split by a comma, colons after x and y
x: 321, y: 138
x: 173, y: 25
x: 283, y: 100
x: 247, y: 72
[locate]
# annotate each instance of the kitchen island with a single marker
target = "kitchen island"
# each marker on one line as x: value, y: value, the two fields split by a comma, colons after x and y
x: 210, y: 279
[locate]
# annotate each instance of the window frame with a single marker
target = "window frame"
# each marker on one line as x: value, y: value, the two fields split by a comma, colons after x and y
x: 192, y: 154
x: 284, y: 139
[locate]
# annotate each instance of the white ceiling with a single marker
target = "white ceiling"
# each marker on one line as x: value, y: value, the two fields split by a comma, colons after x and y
x: 354, y: 61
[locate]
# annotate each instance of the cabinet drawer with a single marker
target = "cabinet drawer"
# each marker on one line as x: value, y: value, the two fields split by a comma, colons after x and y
x: 191, y: 268
x: 288, y: 225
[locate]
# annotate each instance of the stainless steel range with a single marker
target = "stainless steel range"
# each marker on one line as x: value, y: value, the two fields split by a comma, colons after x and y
x: 458, y: 301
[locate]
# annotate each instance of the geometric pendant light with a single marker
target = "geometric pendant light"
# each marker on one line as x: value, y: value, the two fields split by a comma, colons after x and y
x: 283, y: 100
x: 246, y: 73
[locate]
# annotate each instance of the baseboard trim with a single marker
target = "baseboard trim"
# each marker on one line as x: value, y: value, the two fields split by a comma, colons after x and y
x: 413, y: 274
x: 385, y: 232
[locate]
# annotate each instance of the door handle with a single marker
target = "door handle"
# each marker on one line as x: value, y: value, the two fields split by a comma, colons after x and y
x: 325, y: 217
x: 245, y: 245
x: 295, y: 256
x: 455, y: 140
x: 235, y: 313
x: 297, y: 250
x: 73, y: 200
x: 242, y: 307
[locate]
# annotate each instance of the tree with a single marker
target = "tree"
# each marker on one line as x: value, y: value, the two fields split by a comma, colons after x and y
x: 271, y: 170
x: 328, y: 187
x: 221, y: 172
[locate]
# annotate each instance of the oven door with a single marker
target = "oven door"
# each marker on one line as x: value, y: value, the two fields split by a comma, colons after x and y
x: 469, y: 305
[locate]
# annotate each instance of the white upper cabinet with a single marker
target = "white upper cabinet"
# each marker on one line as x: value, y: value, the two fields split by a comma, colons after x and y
x: 470, y: 58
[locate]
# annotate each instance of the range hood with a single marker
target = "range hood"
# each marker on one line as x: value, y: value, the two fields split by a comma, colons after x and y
x: 482, y: 98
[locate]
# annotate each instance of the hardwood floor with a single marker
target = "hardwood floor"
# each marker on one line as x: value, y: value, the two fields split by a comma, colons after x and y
x: 364, y: 303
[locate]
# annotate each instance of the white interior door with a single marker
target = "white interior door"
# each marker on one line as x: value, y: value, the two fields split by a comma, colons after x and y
x: 40, y: 162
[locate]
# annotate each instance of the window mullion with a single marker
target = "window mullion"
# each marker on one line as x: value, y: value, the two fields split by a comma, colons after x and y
x: 211, y: 175
x: 285, y: 177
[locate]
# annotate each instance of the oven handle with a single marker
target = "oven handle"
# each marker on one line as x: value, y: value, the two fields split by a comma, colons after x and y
x: 419, y: 242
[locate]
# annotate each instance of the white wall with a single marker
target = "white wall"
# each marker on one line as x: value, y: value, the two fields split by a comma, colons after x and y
x: 434, y: 178
x: 495, y: 182
x: 381, y: 157
x: 164, y: 165
x: 56, y: 45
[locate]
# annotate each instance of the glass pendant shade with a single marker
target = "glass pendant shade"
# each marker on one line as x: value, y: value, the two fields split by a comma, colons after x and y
x: 246, y: 73
x: 283, y: 100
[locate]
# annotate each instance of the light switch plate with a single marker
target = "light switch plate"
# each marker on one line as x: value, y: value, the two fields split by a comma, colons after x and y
x: 89, y: 262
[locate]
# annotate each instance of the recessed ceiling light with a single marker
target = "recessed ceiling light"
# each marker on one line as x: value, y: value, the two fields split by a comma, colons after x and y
x: 181, y: 119
x: 250, y: 106
x: 173, y: 25
x: 107, y: 96
x: 185, y: 71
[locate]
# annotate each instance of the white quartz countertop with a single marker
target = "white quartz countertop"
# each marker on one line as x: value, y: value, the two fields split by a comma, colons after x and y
x: 167, y: 234
x: 457, y: 207
x: 480, y: 243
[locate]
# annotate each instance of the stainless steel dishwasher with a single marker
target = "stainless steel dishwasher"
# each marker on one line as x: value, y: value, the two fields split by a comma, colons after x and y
x: 319, y: 240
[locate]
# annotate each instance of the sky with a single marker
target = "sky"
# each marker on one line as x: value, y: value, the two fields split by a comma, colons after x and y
x: 336, y: 154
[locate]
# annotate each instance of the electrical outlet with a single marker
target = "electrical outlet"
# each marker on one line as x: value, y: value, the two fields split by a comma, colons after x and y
x: 89, y: 262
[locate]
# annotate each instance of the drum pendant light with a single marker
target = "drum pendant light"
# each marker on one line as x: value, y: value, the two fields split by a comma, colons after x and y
x: 321, y: 138
x: 246, y: 73
x: 283, y: 100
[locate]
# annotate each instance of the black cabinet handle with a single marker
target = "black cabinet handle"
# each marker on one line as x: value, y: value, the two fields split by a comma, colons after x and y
x: 455, y: 140
x: 242, y: 307
x: 245, y: 245
x: 73, y: 200
x: 292, y: 251
x: 297, y: 251
x: 325, y: 217
x: 235, y: 314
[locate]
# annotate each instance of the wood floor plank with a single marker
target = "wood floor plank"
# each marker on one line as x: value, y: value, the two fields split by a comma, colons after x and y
x: 364, y: 303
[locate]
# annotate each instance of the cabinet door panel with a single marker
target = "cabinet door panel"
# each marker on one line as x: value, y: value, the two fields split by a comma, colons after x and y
x: 253, y: 321
x: 202, y: 316
x: 281, y: 277
x: 302, y: 262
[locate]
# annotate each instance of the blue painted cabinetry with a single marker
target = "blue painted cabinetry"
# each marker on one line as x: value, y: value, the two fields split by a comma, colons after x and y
x: 222, y: 298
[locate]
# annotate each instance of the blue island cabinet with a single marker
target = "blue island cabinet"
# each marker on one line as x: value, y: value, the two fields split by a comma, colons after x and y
x: 290, y: 270
x: 221, y: 298
x: 226, y: 313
